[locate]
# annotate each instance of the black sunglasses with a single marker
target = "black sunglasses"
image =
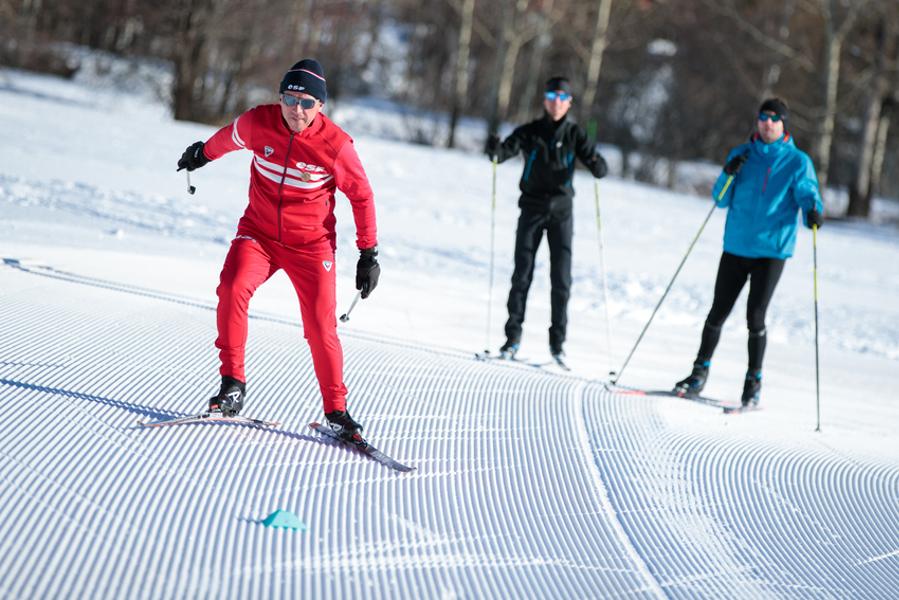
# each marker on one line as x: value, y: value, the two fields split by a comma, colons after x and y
x: 291, y: 101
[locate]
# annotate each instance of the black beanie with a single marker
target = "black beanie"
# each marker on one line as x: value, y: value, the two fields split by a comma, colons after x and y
x: 558, y: 83
x: 306, y: 76
x: 775, y: 105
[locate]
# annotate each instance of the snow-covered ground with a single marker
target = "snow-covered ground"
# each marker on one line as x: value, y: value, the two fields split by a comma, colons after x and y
x: 528, y: 482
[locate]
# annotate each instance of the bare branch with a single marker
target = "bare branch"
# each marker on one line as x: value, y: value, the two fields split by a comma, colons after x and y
x: 760, y: 36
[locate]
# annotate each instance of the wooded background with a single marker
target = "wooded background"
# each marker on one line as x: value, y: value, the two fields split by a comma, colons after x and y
x: 675, y: 80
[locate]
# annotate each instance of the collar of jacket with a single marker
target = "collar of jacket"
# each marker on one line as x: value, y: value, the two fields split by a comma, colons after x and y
x: 775, y: 148
x: 553, y: 125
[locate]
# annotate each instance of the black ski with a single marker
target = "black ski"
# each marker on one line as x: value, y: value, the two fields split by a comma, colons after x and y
x: 485, y: 356
x: 743, y: 408
x: 557, y: 360
x: 208, y: 417
x: 364, y: 447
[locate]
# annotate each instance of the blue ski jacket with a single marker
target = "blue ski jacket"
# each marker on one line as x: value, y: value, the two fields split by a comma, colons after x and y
x: 776, y: 181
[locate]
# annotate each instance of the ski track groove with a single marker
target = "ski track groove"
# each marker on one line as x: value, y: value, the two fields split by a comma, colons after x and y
x: 511, y: 497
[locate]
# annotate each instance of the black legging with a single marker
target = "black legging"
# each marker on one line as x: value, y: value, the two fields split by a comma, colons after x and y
x: 733, y: 271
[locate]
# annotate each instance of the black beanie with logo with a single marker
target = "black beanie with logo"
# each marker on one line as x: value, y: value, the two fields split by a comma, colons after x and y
x: 308, y: 77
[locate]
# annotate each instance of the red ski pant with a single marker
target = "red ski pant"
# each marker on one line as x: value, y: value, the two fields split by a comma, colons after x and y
x: 248, y: 265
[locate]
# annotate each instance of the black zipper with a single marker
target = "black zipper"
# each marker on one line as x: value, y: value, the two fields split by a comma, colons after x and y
x: 281, y: 185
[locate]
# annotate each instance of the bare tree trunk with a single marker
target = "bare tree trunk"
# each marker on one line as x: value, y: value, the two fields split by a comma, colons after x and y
x: 508, y: 76
x: 880, y: 148
x: 860, y: 189
x: 502, y: 44
x: 463, y: 52
x: 597, y: 49
x: 189, y: 59
x: 833, y: 47
x: 772, y: 73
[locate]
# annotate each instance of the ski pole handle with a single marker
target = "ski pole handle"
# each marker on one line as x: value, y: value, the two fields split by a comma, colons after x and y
x: 346, y: 316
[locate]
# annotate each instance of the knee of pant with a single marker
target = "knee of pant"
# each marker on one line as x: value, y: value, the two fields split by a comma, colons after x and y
x: 757, y: 332
x: 233, y: 290
x: 713, y: 325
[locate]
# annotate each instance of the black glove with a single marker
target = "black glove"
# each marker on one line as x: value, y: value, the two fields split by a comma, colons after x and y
x: 813, y: 217
x: 367, y: 271
x: 734, y: 165
x: 491, y: 148
x: 598, y: 166
x: 193, y: 157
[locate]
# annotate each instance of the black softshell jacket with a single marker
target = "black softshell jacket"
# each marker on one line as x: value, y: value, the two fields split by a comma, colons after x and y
x: 549, y: 149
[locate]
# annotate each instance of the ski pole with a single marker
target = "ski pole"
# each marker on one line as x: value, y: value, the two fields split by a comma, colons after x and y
x: 617, y: 376
x: 346, y: 316
x: 602, y: 267
x: 492, y: 252
x: 190, y: 189
x: 817, y: 369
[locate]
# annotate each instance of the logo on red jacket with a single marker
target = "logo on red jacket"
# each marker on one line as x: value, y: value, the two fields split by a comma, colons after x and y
x: 309, y: 172
x: 327, y: 265
x: 268, y: 151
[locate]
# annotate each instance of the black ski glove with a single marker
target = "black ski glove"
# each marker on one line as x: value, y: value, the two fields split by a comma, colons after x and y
x: 813, y: 217
x: 598, y: 166
x: 367, y: 271
x: 193, y: 157
x: 734, y: 165
x: 491, y: 147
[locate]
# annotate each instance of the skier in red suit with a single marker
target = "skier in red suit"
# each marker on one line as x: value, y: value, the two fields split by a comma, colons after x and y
x: 300, y: 157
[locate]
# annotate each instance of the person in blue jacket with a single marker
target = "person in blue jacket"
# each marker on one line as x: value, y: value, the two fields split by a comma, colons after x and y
x: 767, y: 182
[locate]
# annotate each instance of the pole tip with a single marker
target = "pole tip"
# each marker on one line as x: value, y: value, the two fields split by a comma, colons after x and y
x: 344, y: 318
x: 191, y: 190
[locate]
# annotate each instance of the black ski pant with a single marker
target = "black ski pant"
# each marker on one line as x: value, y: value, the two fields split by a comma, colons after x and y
x: 559, y: 228
x: 733, y: 271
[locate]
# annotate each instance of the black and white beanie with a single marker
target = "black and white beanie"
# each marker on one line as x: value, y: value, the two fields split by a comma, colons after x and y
x: 306, y: 76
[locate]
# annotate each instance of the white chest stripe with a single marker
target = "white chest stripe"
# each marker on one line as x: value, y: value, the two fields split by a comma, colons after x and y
x: 297, y: 183
x: 304, y: 175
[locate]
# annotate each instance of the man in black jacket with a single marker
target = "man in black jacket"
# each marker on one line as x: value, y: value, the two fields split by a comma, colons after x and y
x: 549, y: 145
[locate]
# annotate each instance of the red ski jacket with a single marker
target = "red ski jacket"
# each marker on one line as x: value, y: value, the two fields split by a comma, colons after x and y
x: 293, y: 178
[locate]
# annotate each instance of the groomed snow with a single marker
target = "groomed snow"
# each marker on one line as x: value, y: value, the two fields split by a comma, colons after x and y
x: 529, y: 483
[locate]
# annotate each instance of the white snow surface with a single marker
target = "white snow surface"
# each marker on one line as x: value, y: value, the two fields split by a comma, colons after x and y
x: 529, y: 482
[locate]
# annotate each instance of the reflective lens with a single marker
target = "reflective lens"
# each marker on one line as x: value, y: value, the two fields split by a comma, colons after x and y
x: 563, y: 96
x: 291, y: 101
x: 765, y: 116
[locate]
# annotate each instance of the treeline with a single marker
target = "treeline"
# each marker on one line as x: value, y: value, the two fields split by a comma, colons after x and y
x: 672, y: 80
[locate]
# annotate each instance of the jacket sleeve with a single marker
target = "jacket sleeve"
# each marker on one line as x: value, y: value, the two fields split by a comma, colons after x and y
x: 236, y: 136
x: 351, y: 180
x: 724, y: 200
x: 512, y: 145
x: 805, y: 189
x: 587, y: 154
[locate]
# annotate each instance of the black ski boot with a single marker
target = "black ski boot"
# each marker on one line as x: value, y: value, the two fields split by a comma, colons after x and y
x: 344, y: 426
x: 692, y: 385
x: 752, y: 388
x: 229, y: 400
x: 508, y: 350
